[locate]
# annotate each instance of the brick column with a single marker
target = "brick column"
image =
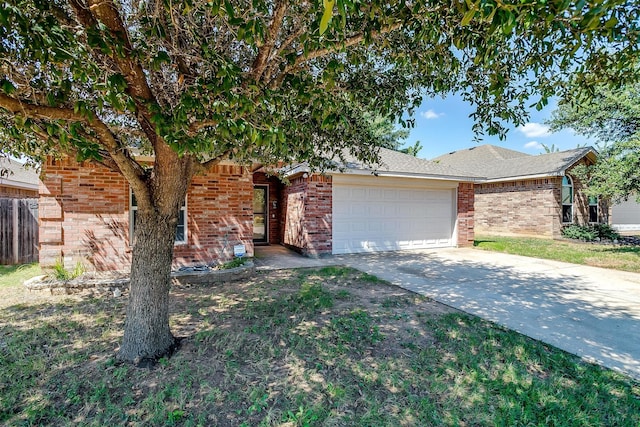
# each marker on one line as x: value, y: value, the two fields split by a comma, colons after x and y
x: 465, y: 214
x: 308, y: 215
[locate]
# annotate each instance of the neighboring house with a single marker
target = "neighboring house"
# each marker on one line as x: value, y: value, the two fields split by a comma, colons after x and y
x: 16, y: 181
x: 533, y: 195
x: 18, y: 213
x: 86, y: 211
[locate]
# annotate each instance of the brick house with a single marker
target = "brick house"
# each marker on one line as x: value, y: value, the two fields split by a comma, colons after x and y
x: 530, y: 195
x: 16, y: 181
x: 18, y: 213
x: 87, y: 211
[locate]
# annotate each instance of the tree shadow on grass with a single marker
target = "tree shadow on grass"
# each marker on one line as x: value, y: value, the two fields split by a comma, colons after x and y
x: 623, y: 250
x: 569, y: 311
x: 302, y: 347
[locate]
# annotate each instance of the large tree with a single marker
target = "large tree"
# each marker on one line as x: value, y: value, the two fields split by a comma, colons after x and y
x: 611, y: 116
x: 389, y: 135
x: 194, y: 82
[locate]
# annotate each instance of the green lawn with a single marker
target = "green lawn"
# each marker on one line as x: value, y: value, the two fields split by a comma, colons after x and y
x: 14, y: 275
x: 324, y: 347
x: 616, y: 257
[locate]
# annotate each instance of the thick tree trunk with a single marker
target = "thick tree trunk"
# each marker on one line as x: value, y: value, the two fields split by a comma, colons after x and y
x: 159, y: 198
x: 146, y: 334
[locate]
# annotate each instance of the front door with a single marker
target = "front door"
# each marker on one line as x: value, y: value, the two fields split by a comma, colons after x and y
x: 260, y: 214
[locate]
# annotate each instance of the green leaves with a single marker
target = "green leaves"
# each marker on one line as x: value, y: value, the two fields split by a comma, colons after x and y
x: 468, y: 16
x: 7, y: 87
x: 161, y: 57
x: 319, y: 74
x: 612, y: 116
x: 326, y: 15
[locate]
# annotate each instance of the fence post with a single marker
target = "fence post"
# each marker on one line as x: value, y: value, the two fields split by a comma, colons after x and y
x: 16, y: 232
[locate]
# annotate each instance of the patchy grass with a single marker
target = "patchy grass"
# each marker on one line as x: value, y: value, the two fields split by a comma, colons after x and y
x: 306, y: 347
x: 625, y: 258
x: 14, y: 275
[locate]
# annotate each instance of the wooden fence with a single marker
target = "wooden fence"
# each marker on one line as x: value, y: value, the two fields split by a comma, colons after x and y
x: 18, y: 231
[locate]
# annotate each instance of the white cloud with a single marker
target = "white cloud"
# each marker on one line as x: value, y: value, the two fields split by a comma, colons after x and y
x: 535, y: 130
x: 430, y: 114
x: 533, y: 144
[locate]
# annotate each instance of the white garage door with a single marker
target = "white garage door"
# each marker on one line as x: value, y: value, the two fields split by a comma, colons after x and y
x: 386, y: 214
x: 626, y: 215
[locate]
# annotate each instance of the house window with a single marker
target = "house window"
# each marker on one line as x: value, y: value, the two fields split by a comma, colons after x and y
x: 567, y: 199
x: 593, y: 209
x: 181, y: 228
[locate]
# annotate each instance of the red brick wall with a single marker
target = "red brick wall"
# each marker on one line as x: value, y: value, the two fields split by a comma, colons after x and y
x: 274, y: 214
x: 84, y: 216
x: 465, y: 215
x: 526, y: 207
x: 17, y: 193
x: 219, y: 216
x: 308, y: 208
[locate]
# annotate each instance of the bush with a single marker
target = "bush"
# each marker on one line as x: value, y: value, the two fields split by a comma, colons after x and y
x: 590, y: 233
x: 59, y: 272
x: 605, y: 231
x: 236, y: 262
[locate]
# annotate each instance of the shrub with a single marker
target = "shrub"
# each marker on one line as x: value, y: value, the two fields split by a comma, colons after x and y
x: 61, y: 273
x: 605, y: 231
x: 589, y: 233
x: 236, y: 262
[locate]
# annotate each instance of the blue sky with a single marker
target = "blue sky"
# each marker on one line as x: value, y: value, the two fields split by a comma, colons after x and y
x: 443, y: 125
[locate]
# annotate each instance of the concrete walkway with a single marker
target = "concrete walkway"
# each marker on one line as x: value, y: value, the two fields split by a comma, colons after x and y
x: 591, y: 312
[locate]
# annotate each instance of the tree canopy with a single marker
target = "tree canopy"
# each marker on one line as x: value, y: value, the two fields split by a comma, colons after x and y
x: 389, y: 135
x: 258, y: 80
x: 610, y: 115
x: 195, y: 82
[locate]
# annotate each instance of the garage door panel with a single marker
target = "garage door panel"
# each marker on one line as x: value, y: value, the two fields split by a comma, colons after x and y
x: 368, y: 218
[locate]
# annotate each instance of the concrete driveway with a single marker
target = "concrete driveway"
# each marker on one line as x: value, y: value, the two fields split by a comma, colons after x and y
x: 591, y: 312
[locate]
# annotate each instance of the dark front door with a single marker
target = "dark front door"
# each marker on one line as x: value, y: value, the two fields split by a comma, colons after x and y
x: 260, y: 214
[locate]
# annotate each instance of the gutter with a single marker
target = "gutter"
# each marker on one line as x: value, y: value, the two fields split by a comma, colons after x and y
x: 392, y: 174
x: 519, y: 177
x: 18, y: 184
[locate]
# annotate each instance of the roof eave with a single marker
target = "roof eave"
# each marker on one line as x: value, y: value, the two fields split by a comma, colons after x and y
x: 395, y: 174
x: 18, y: 184
x: 521, y: 177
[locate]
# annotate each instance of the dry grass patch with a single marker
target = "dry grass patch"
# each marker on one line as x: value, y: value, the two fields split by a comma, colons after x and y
x: 331, y: 347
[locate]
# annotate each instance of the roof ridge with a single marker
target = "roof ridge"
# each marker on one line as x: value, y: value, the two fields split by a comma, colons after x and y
x: 499, y: 152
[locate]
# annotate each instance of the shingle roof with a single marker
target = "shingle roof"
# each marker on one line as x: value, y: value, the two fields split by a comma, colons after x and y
x: 395, y: 162
x: 15, y: 174
x: 474, y: 159
x: 500, y: 163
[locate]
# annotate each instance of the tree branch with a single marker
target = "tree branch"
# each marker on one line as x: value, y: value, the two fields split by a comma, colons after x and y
x: 260, y: 63
x: 341, y: 45
x: 106, y: 12
x: 26, y: 109
x: 336, y: 47
x: 197, y: 126
x: 210, y: 163
x: 126, y: 164
x: 174, y: 42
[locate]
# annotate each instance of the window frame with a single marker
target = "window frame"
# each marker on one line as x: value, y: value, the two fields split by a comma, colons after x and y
x: 569, y: 185
x: 596, y: 204
x: 265, y: 188
x: 133, y: 208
